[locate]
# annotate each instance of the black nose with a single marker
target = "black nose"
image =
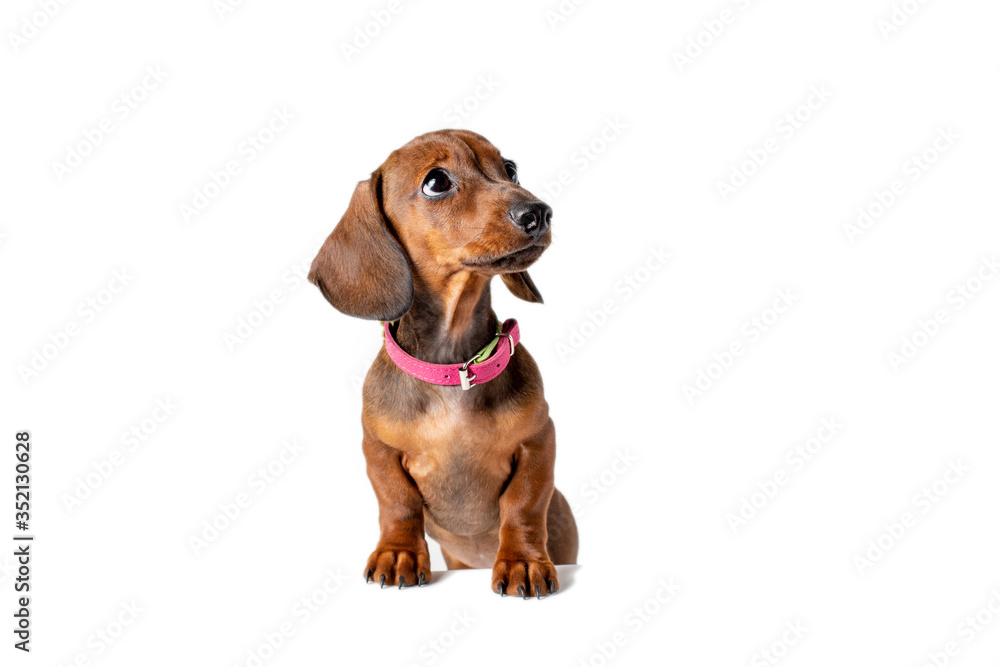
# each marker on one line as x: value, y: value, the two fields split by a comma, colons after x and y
x: 534, y: 217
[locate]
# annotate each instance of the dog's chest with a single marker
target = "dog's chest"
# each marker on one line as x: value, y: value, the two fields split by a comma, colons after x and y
x: 459, y: 460
x: 449, y: 427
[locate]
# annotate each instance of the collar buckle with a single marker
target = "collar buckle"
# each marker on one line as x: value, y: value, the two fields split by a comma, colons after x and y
x: 463, y: 370
x: 463, y: 375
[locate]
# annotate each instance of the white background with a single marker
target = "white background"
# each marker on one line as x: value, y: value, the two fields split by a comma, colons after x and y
x: 616, y: 390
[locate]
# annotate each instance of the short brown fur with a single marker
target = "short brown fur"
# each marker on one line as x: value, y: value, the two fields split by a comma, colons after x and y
x: 474, y: 469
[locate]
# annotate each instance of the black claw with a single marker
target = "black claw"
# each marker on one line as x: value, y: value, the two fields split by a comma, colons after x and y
x: 402, y: 582
x: 552, y: 587
x: 381, y: 581
x: 502, y: 589
x: 522, y: 593
x: 538, y: 592
x: 420, y: 580
x: 368, y: 577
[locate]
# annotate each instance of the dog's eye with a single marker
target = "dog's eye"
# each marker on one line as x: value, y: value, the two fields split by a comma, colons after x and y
x: 511, y: 170
x: 436, y: 183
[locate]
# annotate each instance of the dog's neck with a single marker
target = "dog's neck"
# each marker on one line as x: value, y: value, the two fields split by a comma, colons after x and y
x: 451, y: 318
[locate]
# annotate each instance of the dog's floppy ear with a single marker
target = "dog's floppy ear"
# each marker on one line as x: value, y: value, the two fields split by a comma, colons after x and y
x: 522, y: 286
x: 361, y: 268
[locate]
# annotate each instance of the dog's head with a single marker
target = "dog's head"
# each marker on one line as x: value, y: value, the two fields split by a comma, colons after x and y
x: 444, y: 203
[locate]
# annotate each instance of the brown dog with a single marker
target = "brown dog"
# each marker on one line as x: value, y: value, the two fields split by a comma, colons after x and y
x: 420, y: 243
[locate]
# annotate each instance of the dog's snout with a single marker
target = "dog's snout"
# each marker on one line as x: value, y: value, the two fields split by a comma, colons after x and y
x: 534, y: 217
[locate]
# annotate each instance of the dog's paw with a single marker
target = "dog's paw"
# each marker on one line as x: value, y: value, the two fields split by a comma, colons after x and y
x: 524, y: 577
x: 403, y: 567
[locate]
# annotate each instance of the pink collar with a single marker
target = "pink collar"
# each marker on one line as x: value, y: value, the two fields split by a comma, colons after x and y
x: 468, y: 374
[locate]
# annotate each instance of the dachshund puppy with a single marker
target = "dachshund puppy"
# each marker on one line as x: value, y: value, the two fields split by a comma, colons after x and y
x: 457, y: 435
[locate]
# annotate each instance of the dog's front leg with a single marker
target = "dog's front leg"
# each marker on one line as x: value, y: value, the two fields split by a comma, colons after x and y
x: 523, y: 566
x: 401, y: 556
